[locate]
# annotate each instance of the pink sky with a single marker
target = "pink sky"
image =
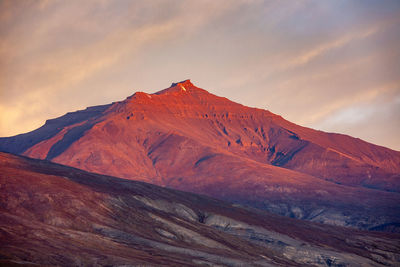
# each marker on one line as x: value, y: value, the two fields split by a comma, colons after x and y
x: 329, y: 65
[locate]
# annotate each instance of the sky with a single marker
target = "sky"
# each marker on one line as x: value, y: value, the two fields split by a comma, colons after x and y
x: 329, y: 65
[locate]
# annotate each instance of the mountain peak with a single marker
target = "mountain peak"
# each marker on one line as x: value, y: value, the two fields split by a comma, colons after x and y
x: 183, y: 83
x: 179, y: 87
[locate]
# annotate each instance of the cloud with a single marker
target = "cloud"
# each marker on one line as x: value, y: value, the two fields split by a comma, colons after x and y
x: 22, y: 116
x: 375, y: 118
x: 319, y: 50
x: 38, y: 58
x: 363, y: 97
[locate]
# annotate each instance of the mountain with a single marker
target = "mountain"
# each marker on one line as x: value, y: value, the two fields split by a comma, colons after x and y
x: 54, y: 215
x: 186, y: 138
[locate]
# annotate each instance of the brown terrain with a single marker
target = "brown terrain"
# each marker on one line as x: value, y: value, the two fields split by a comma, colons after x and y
x: 185, y: 138
x: 54, y: 215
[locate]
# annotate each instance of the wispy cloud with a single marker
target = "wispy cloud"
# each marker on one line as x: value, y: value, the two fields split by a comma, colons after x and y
x: 364, y: 97
x: 319, y: 50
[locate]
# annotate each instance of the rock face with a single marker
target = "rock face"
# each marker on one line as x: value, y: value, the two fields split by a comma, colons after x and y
x: 53, y: 215
x: 186, y: 138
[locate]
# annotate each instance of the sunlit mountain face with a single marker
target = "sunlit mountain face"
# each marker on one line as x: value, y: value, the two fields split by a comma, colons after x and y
x: 186, y: 138
x: 54, y: 215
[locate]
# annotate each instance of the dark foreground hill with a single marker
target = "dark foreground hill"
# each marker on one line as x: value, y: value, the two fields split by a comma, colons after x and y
x: 57, y: 215
x: 185, y: 138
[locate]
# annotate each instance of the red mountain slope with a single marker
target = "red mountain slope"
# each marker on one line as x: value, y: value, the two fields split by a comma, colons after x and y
x: 53, y: 215
x: 184, y: 137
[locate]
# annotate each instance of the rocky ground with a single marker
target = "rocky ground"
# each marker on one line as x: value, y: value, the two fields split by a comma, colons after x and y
x: 57, y: 215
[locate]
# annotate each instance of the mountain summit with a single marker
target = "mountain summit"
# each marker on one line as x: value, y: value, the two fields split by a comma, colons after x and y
x: 186, y: 138
x: 183, y: 86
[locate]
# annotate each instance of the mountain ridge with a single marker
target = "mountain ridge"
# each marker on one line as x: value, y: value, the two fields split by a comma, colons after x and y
x: 187, y: 138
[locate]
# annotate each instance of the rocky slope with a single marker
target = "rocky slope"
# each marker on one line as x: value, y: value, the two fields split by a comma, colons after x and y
x: 186, y: 138
x: 57, y: 215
